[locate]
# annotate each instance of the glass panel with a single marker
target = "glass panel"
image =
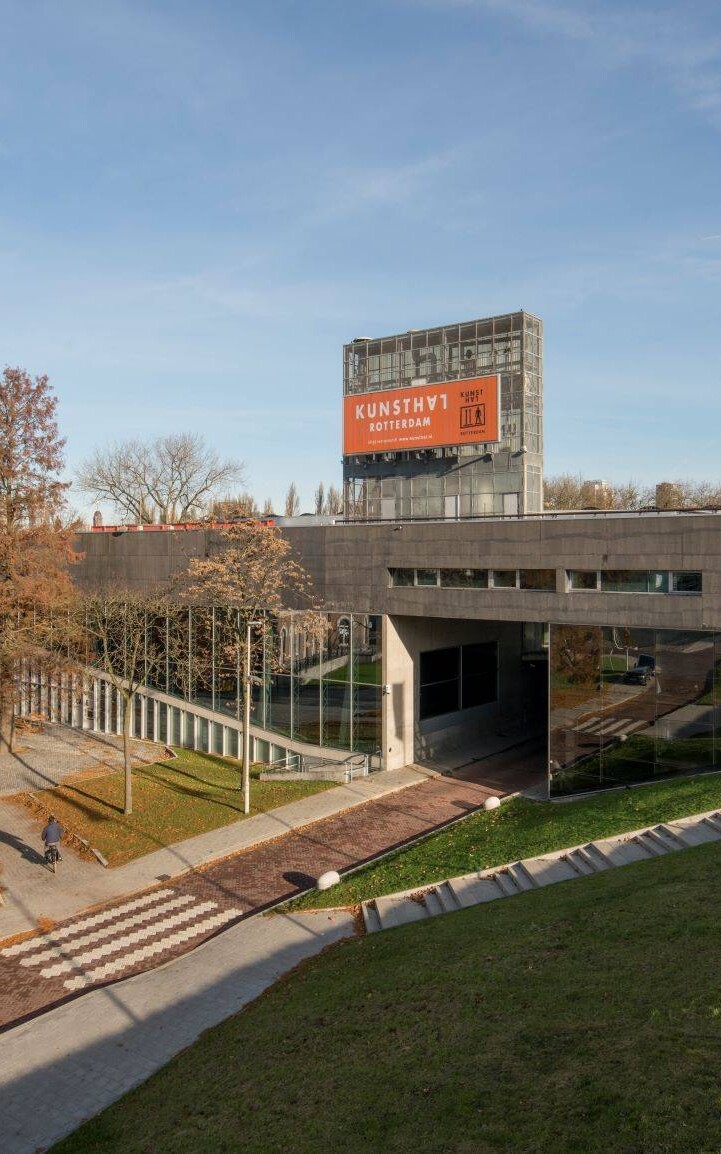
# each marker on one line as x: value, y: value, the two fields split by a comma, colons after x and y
x: 504, y: 578
x: 684, y: 678
x: 336, y: 714
x: 582, y: 579
x: 367, y: 735
x: 479, y: 674
x: 439, y: 682
x: 307, y: 713
x: 401, y: 576
x: 217, y: 738
x: 426, y: 576
x: 624, y: 726
x: 150, y: 719
x: 464, y: 578
x: 634, y: 581
x: 163, y: 723
x: 542, y: 579
x: 279, y: 704
x: 202, y: 733
x: 574, y: 674
x: 687, y: 583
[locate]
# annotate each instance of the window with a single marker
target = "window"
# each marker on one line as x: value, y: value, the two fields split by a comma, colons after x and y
x: 479, y: 674
x: 543, y: 579
x: 464, y: 578
x: 687, y: 583
x: 402, y: 577
x: 426, y: 576
x: 439, y: 678
x: 504, y: 578
x: 634, y: 581
x: 582, y: 579
x: 459, y: 677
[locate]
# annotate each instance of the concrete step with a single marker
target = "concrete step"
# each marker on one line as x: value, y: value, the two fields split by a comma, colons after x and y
x: 471, y: 891
x: 521, y: 876
x: 671, y: 835
x: 447, y: 897
x: 665, y: 838
x: 433, y: 903
x: 624, y: 852
x: 694, y: 832
x: 507, y: 883
x: 595, y: 855
x: 652, y: 845
x: 579, y: 863
x: 393, y: 911
x: 547, y: 870
x: 714, y: 821
x: 370, y: 918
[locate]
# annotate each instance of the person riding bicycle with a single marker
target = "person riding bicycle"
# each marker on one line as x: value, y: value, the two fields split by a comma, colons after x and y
x: 52, y: 834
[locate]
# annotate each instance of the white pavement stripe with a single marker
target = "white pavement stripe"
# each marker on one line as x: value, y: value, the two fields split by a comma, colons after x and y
x: 151, y: 950
x: 77, y: 961
x: 635, y: 725
x: 83, y: 924
x: 110, y: 930
x: 614, y: 725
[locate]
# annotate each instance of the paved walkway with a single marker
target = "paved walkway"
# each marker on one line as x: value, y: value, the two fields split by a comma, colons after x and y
x: 35, y: 896
x: 151, y: 928
x: 44, y: 758
x: 74, y: 1061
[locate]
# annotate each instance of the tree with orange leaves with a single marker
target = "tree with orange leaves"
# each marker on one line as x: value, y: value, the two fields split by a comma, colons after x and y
x: 35, y: 541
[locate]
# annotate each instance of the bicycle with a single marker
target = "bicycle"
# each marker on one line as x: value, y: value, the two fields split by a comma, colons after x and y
x: 52, y: 857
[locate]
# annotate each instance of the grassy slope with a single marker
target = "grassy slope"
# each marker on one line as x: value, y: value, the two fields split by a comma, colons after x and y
x: 172, y: 800
x: 584, y: 1017
x: 520, y: 829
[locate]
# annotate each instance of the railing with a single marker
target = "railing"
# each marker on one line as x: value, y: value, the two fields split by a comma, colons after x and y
x: 301, y: 766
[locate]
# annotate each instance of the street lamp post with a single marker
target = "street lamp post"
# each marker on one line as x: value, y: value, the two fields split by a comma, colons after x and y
x: 248, y: 687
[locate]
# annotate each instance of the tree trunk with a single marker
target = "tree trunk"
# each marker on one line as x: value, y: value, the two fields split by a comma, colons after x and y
x: 7, y: 708
x: 127, y: 714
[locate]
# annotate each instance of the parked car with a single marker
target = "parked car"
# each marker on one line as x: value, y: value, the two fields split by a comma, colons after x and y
x: 640, y: 675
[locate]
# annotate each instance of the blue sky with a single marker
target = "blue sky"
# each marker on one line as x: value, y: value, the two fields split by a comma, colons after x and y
x: 201, y: 202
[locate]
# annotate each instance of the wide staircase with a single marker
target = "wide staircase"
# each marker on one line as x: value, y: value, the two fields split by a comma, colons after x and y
x: 533, y: 873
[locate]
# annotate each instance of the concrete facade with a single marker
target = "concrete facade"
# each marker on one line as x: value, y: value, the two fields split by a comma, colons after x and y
x: 349, y: 565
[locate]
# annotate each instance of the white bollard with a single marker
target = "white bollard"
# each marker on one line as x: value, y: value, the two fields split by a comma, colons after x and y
x: 325, y: 881
x: 492, y: 803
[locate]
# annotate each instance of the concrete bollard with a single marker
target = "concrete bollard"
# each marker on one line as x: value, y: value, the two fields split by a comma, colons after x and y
x: 327, y: 880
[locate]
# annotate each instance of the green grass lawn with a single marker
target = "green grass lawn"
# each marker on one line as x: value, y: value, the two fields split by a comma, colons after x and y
x: 172, y: 800
x: 580, y: 1019
x: 519, y: 829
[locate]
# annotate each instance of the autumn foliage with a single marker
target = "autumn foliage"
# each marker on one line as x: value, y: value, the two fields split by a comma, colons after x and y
x: 35, y: 542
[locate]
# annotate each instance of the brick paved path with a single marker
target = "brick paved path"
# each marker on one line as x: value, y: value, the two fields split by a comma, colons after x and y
x: 148, y: 929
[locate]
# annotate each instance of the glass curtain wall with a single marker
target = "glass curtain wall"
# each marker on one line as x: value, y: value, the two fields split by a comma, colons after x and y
x: 319, y: 684
x: 630, y: 705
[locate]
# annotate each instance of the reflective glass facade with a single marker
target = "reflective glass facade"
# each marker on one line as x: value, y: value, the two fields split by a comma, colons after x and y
x: 324, y: 691
x: 630, y: 705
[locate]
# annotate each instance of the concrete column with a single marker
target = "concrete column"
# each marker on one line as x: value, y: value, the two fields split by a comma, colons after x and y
x: 398, y: 703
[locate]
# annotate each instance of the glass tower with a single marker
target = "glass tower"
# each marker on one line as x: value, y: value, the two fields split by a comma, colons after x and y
x: 501, y: 476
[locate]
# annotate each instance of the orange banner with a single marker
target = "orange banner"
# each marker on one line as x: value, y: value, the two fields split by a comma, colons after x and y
x: 422, y: 416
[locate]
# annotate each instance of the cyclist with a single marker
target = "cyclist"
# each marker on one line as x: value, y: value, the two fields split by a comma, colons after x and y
x: 52, y: 834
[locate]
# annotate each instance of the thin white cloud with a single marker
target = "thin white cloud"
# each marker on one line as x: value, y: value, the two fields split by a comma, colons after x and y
x: 686, y: 55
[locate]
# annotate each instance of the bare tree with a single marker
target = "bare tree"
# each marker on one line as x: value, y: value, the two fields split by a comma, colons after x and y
x: 567, y: 491
x: 128, y: 638
x: 292, y: 501
x: 168, y: 480
x: 35, y: 541
x: 319, y: 499
x: 334, y: 501
x: 247, y: 583
x: 268, y: 507
x: 232, y: 508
